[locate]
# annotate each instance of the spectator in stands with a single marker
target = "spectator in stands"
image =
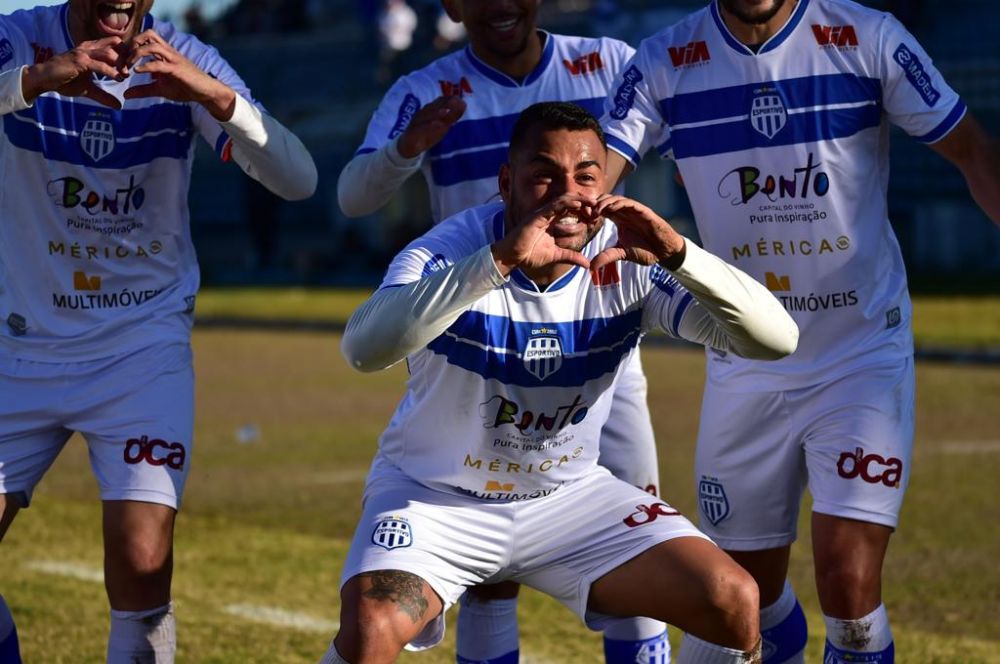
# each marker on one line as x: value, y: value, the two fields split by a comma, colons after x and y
x: 396, y: 24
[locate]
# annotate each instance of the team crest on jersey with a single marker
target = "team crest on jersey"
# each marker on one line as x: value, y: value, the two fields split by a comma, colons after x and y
x: 97, y: 138
x: 713, y: 501
x: 392, y: 532
x: 543, y: 355
x: 767, y: 112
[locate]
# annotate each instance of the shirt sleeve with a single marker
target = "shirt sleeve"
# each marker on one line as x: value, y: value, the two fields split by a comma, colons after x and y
x: 393, y: 115
x: 712, y: 303
x: 632, y: 121
x: 914, y: 94
x: 15, y: 54
x: 423, y: 293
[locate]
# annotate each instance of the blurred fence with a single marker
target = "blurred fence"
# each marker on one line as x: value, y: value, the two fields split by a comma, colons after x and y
x: 322, y: 84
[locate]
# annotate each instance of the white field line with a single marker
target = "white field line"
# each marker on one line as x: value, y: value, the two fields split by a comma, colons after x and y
x: 964, y: 447
x: 281, y: 618
x: 70, y: 569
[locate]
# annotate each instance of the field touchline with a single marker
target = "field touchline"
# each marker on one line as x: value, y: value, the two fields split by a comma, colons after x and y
x: 964, y: 447
x: 68, y: 568
x: 281, y: 618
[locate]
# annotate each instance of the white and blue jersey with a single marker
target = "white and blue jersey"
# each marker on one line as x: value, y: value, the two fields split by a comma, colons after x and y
x: 508, y: 403
x: 461, y: 170
x: 96, y: 257
x: 784, y: 153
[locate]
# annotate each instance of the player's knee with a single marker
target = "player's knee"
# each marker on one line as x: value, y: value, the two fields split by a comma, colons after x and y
x: 141, y: 558
x: 848, y: 589
x: 735, y: 602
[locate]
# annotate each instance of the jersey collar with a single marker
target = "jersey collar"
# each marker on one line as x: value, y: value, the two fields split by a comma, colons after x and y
x: 776, y: 40
x: 503, y: 79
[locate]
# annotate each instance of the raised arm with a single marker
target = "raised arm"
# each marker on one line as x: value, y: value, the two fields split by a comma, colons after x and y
x: 977, y: 155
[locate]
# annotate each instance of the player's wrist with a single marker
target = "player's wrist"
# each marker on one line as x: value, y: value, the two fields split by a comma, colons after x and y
x: 673, y: 257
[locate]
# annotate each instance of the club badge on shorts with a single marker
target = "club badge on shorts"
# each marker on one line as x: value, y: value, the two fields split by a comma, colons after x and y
x: 712, y: 500
x: 392, y: 532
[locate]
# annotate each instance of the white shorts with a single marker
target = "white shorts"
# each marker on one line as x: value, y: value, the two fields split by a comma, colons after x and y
x: 850, y: 440
x: 559, y: 544
x: 628, y: 447
x: 136, y: 412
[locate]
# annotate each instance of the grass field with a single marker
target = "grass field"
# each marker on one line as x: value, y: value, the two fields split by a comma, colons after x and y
x: 266, y: 522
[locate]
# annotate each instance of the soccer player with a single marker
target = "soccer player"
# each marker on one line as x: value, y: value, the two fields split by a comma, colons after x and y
x: 776, y: 113
x: 100, y: 104
x: 451, y: 120
x: 488, y: 470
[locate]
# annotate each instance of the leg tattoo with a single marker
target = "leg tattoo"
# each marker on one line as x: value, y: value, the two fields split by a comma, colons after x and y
x: 401, y: 587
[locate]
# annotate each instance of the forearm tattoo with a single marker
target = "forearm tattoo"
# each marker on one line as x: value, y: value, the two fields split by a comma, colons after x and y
x: 403, y: 588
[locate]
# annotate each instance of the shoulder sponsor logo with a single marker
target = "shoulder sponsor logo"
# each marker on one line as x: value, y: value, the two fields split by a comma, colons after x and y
x: 407, y: 109
x: 155, y: 452
x: 840, y: 36
x: 543, y: 354
x: 692, y: 53
x: 664, y: 280
x: 625, y: 94
x: 644, y: 514
x: 767, y: 112
x: 712, y: 500
x: 436, y: 263
x: 459, y: 89
x: 98, y: 137
x: 392, y: 532
x: 872, y: 468
x: 585, y: 64
x: 916, y: 74
x: 6, y: 52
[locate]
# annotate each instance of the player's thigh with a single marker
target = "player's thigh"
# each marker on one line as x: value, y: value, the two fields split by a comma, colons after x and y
x: 31, y: 433
x: 450, y: 542
x: 584, y: 531
x: 860, y: 443
x: 628, y: 446
x: 138, y: 420
x: 749, y: 469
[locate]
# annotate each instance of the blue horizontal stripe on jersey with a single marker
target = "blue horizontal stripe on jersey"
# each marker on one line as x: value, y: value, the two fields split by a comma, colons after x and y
x: 57, y: 113
x: 804, y: 92
x: 60, y: 147
x: 799, y: 128
x: 476, y: 342
x: 468, y: 166
x: 468, y: 134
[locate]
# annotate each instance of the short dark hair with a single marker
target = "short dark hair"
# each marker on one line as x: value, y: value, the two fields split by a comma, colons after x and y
x: 553, y: 115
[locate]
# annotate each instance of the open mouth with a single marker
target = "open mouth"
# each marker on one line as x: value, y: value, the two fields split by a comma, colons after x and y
x: 115, y: 18
x: 505, y: 25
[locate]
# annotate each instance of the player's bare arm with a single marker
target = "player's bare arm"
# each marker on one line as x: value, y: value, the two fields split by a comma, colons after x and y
x: 175, y: 77
x: 71, y: 73
x: 977, y: 154
x: 529, y: 245
x: 429, y: 125
x: 402, y: 588
x: 643, y: 236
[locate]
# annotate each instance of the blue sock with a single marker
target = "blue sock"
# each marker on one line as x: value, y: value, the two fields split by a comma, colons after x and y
x: 654, y: 650
x: 834, y: 655
x: 10, y: 651
x: 783, y: 629
x: 486, y: 632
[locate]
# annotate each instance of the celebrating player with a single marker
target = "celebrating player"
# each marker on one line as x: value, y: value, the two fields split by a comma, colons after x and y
x: 488, y: 470
x: 451, y: 120
x: 98, y: 275
x: 776, y: 113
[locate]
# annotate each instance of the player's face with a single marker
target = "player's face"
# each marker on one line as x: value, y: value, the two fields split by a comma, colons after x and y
x: 550, y: 163
x: 97, y: 19
x: 501, y: 28
x: 753, y: 12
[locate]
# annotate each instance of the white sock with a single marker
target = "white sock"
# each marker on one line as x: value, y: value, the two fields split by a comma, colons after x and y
x: 9, y: 650
x: 870, y: 634
x: 636, y: 640
x: 696, y: 651
x: 783, y: 630
x: 486, y: 631
x: 332, y: 656
x: 142, y: 637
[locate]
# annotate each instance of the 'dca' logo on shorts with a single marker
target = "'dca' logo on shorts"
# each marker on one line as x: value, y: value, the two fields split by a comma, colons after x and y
x: 392, y: 532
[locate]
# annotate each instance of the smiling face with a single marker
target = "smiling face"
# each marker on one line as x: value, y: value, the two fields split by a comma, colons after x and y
x: 753, y: 12
x: 547, y: 164
x: 97, y: 19
x: 496, y: 28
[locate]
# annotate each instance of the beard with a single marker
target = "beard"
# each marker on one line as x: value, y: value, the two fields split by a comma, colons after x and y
x: 752, y: 16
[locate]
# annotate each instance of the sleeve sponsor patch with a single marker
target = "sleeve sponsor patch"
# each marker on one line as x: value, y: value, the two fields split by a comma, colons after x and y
x: 916, y: 74
x: 437, y: 263
x: 6, y: 52
x: 407, y: 110
x: 625, y: 95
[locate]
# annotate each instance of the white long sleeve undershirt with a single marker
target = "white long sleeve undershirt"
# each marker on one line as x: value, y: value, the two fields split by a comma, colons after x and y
x: 369, y: 180
x: 731, y: 312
